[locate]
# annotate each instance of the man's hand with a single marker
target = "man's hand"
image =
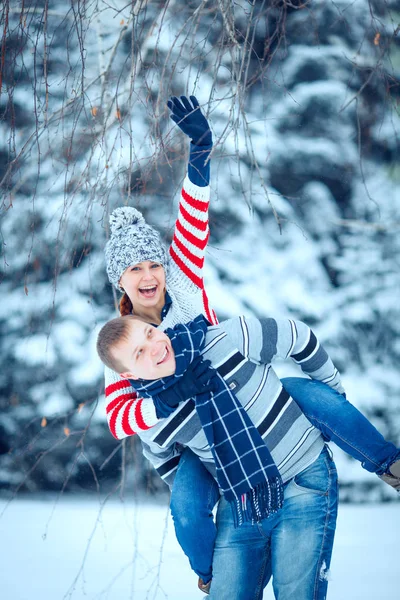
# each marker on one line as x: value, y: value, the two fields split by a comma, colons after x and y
x: 190, y: 119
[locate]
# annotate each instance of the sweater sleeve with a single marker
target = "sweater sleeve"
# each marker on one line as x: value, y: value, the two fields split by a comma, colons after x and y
x: 191, y: 228
x: 126, y: 413
x: 262, y: 340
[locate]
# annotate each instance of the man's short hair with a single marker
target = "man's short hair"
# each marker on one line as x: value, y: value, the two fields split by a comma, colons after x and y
x: 110, y: 335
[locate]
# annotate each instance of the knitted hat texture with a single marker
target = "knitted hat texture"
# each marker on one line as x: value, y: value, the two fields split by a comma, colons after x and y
x: 132, y: 241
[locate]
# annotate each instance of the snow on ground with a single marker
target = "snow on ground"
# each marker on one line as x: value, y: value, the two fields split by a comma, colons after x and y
x: 77, y: 549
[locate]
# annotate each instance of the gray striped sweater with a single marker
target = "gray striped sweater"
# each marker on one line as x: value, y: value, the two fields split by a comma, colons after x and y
x: 242, y: 350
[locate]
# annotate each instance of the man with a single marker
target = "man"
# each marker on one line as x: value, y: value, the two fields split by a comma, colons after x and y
x: 293, y: 544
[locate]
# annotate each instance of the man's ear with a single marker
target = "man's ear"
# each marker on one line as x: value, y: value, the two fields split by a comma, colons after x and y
x: 128, y: 375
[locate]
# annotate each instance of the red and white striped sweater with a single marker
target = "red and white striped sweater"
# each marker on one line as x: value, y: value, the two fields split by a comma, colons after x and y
x: 126, y: 413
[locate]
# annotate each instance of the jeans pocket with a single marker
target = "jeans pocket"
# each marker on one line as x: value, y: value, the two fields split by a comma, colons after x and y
x: 316, y: 478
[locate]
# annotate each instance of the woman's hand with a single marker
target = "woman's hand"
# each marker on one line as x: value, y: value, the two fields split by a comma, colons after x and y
x: 189, y: 118
x: 197, y: 379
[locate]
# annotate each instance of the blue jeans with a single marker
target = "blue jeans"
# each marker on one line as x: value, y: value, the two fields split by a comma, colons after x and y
x: 294, y: 546
x: 195, y: 491
x: 341, y: 422
x: 194, y: 495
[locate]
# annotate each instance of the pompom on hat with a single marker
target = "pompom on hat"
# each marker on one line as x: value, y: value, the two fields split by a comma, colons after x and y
x: 132, y: 241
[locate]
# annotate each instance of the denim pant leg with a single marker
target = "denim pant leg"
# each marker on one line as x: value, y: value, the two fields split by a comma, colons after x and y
x: 295, y: 544
x: 302, y: 542
x: 342, y: 423
x: 193, y: 497
x: 241, y: 565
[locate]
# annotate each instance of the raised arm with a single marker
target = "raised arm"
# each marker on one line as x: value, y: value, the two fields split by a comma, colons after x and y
x: 262, y: 340
x: 192, y: 232
x: 191, y: 229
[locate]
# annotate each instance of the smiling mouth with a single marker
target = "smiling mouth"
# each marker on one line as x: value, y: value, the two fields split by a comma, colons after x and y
x: 148, y: 291
x: 164, y: 357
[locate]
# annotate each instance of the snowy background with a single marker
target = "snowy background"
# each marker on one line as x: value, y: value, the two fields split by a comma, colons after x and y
x: 303, y: 100
x: 90, y: 550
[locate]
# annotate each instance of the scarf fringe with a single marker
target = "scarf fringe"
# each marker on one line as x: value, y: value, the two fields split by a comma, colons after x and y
x: 262, y: 501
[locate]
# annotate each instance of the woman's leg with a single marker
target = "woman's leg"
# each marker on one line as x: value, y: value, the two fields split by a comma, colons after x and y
x: 341, y: 422
x: 194, y: 495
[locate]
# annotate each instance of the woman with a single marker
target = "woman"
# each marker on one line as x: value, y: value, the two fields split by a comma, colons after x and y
x: 166, y: 289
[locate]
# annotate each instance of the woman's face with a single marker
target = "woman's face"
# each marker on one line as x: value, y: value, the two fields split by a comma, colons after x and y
x: 145, y: 284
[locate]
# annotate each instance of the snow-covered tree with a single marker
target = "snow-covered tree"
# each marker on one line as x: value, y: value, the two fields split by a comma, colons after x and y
x: 303, y: 102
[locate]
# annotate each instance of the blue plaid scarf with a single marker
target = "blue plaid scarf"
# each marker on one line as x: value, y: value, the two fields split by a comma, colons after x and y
x: 246, y: 472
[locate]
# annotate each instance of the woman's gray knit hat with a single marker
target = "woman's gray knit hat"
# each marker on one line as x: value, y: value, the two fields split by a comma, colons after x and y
x: 132, y: 241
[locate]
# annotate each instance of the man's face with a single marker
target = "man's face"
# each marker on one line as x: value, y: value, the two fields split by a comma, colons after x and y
x: 147, y: 353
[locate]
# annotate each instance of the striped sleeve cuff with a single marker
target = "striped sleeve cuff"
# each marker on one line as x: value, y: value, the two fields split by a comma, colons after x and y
x: 126, y: 413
